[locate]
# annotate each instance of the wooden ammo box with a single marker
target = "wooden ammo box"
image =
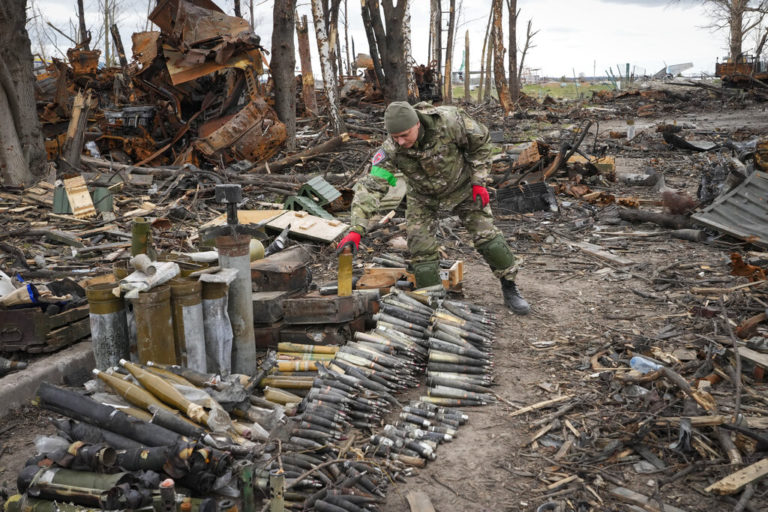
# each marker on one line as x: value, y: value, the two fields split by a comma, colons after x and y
x: 325, y: 334
x: 268, y: 306
x: 31, y: 330
x: 314, y: 308
x: 283, y: 271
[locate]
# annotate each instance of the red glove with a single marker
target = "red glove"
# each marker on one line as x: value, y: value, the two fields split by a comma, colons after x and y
x: 482, y: 193
x: 353, y: 238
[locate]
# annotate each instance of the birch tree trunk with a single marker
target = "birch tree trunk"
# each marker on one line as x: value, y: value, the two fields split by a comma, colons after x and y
x: 448, y: 94
x: 413, y: 88
x: 282, y: 64
x: 498, y: 59
x: 329, y: 78
x: 488, y: 63
x: 435, y: 33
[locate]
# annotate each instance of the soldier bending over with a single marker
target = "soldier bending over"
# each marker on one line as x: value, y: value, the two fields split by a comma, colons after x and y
x: 445, y: 157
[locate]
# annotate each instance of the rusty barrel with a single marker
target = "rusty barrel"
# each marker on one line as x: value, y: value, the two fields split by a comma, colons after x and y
x: 217, y: 328
x: 187, y: 306
x: 154, y: 326
x: 109, y: 328
x: 234, y: 252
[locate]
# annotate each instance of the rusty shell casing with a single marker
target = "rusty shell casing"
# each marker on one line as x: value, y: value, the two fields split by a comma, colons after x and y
x: 188, y: 328
x: 109, y: 325
x: 234, y: 252
x: 154, y: 326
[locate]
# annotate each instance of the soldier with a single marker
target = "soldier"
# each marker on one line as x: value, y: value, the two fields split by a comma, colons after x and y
x: 445, y: 157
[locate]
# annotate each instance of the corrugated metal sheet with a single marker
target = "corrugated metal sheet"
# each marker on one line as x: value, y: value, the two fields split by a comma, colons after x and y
x: 742, y: 212
x: 320, y: 190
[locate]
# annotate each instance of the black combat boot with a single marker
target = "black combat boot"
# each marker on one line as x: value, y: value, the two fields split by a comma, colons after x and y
x: 512, y: 298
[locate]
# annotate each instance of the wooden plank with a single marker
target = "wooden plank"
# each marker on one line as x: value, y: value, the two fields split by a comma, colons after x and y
x: 103, y: 247
x: 68, y: 334
x: 635, y: 498
x: 79, y: 198
x: 599, y: 252
x: 304, y: 225
x: 754, y: 356
x: 245, y: 217
x: 419, y: 502
x: 68, y: 316
x: 540, y: 405
x: 735, y: 482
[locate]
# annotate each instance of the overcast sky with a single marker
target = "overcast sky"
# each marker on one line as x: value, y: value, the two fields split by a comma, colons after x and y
x: 583, y: 36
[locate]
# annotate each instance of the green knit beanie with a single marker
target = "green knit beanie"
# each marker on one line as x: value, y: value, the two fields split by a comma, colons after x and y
x: 400, y: 116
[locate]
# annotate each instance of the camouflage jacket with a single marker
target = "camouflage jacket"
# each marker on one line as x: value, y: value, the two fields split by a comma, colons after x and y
x: 452, y: 150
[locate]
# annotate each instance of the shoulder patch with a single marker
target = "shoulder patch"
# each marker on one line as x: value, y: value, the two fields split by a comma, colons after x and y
x: 379, y: 157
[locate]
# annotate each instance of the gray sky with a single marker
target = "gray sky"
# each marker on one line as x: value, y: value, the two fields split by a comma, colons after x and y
x: 578, y: 37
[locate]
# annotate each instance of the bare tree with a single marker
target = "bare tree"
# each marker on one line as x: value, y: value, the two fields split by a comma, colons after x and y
x: 413, y: 88
x: 388, y: 39
x: 467, y: 81
x: 448, y: 94
x: 488, y: 62
x: 326, y: 64
x: 483, y: 58
x: 498, y: 59
x: 514, y: 82
x: 435, y: 35
x: 740, y: 17
x: 282, y: 64
x: 307, y: 78
x: 22, y: 156
x: 529, y: 33
x: 84, y: 36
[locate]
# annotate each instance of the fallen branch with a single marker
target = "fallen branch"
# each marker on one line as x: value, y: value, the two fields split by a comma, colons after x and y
x: 326, y: 147
x: 666, y: 220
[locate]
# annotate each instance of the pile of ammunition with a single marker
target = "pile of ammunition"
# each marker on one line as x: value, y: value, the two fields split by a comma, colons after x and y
x: 324, y: 393
x: 460, y: 361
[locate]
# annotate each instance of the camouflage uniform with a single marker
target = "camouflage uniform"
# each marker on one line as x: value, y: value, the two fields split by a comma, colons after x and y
x: 451, y: 154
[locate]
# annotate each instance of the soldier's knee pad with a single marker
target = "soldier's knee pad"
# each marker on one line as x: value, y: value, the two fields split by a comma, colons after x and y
x: 496, y: 252
x: 427, y: 273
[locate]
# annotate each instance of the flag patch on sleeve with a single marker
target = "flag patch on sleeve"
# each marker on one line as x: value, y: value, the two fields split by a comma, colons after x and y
x: 379, y: 157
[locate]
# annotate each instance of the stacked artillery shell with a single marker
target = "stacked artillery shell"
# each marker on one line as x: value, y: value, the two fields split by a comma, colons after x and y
x: 414, y: 439
x: 460, y: 363
x: 295, y: 371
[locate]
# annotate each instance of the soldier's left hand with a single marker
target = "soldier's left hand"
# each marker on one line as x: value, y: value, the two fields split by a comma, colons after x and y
x: 482, y: 193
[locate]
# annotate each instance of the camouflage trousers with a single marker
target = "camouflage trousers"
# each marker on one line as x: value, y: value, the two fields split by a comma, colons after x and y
x: 423, y: 213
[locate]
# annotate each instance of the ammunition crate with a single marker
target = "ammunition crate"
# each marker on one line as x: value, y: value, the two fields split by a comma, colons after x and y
x: 323, y: 309
x: 284, y: 271
x: 30, y: 330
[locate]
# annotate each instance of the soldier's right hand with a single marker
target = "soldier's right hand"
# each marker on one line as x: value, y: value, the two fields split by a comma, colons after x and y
x: 352, y: 239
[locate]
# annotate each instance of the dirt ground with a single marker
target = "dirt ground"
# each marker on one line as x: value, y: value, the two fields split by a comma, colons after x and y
x: 582, y: 306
